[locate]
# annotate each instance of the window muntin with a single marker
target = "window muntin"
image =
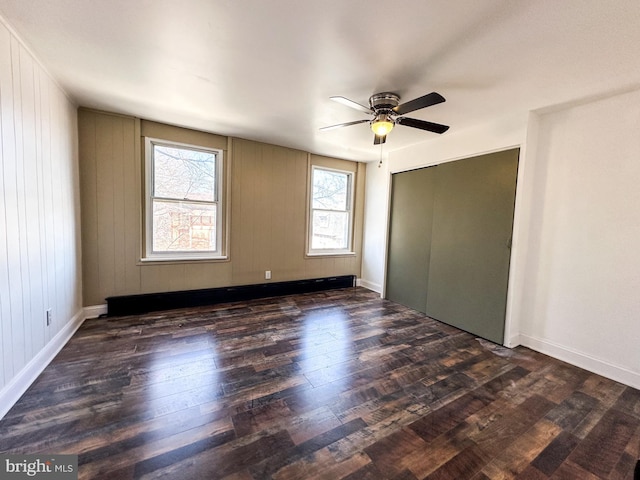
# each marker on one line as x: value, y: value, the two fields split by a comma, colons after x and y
x: 331, y: 218
x: 183, y: 208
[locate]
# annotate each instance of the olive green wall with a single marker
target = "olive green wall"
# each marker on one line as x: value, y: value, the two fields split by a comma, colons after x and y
x: 267, y: 200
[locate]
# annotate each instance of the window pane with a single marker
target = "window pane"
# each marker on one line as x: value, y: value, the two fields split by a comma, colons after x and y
x: 330, y: 190
x: 182, y: 173
x: 183, y: 227
x: 330, y: 230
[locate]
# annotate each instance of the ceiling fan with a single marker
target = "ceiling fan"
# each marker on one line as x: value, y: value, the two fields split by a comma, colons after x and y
x: 387, y: 112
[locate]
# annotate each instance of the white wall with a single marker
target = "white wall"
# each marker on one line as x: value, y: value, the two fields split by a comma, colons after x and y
x: 39, y: 218
x: 575, y: 264
x: 376, y: 213
x: 581, y: 299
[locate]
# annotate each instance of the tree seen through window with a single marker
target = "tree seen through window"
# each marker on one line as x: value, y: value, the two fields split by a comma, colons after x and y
x: 184, y: 200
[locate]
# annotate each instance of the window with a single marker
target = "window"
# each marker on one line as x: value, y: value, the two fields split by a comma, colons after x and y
x: 330, y: 218
x: 183, y: 201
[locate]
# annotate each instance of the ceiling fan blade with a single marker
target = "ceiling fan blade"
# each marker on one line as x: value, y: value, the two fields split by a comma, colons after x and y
x: 379, y: 139
x: 340, y: 125
x: 422, y: 124
x: 432, y: 98
x: 352, y: 104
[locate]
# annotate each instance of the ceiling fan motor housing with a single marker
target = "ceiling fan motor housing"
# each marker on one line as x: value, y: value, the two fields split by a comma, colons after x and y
x: 384, y: 101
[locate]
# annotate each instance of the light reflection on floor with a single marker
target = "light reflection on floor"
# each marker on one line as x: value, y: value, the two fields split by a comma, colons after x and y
x: 193, y: 369
x: 326, y: 347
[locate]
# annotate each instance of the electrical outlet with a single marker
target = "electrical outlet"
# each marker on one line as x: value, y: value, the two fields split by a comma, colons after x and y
x: 267, y: 274
x: 49, y: 316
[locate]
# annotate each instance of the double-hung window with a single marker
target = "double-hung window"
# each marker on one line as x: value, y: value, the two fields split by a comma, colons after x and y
x: 331, y: 211
x: 183, y: 201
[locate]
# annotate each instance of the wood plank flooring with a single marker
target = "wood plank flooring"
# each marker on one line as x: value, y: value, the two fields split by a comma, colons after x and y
x: 331, y: 385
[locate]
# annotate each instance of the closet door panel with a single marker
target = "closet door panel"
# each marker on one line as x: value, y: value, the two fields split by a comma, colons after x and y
x: 470, y: 243
x: 410, y: 237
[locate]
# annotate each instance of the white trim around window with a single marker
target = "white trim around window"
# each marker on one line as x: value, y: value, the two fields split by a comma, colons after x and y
x: 330, y: 218
x: 184, y: 202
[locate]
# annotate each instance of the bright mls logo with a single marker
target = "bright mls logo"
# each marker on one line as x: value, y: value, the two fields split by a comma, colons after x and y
x: 50, y: 467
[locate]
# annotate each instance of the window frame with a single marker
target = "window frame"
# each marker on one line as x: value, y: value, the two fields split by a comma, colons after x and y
x: 317, y: 252
x: 219, y: 201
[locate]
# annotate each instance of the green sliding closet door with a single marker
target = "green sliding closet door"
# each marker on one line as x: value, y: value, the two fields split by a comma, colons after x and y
x: 471, y: 243
x: 410, y: 237
x: 450, y: 240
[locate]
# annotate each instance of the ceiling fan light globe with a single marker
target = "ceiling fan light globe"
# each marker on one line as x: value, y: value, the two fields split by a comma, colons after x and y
x: 382, y: 126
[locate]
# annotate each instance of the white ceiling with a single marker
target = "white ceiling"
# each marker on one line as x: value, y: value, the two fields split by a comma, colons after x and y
x: 265, y: 69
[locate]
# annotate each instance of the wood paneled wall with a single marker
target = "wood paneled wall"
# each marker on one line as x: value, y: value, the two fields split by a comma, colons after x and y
x: 268, y: 211
x: 109, y: 187
x: 39, y: 211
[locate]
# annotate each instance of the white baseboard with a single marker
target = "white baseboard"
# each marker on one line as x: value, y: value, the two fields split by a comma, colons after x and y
x: 95, y: 311
x: 579, y: 359
x: 514, y: 341
x: 19, y: 384
x: 371, y: 286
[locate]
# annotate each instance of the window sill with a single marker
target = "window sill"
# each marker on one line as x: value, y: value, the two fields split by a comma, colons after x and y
x: 171, y: 260
x: 330, y: 254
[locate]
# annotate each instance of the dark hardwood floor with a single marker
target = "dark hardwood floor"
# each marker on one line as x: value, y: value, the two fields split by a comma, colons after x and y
x: 335, y: 385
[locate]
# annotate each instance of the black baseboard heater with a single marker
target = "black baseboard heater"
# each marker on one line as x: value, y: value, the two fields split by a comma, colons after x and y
x: 153, y: 302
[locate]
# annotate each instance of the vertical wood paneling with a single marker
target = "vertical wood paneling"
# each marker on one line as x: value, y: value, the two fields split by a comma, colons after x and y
x: 70, y: 205
x: 64, y: 256
x: 41, y: 218
x: 73, y: 210
x: 21, y: 325
x: 56, y: 236
x: 242, y: 228
x: 68, y: 253
x: 358, y: 233
x: 131, y: 189
x: 39, y: 255
x: 268, y: 213
x: 288, y: 200
x: 263, y: 209
x: 34, y: 333
x: 119, y: 241
x: 105, y: 202
x: 10, y: 298
x: 298, y: 229
x: 258, y: 217
x: 279, y: 261
x: 48, y: 205
x: 5, y: 310
x: 268, y: 219
x: 87, y: 146
x: 201, y: 275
